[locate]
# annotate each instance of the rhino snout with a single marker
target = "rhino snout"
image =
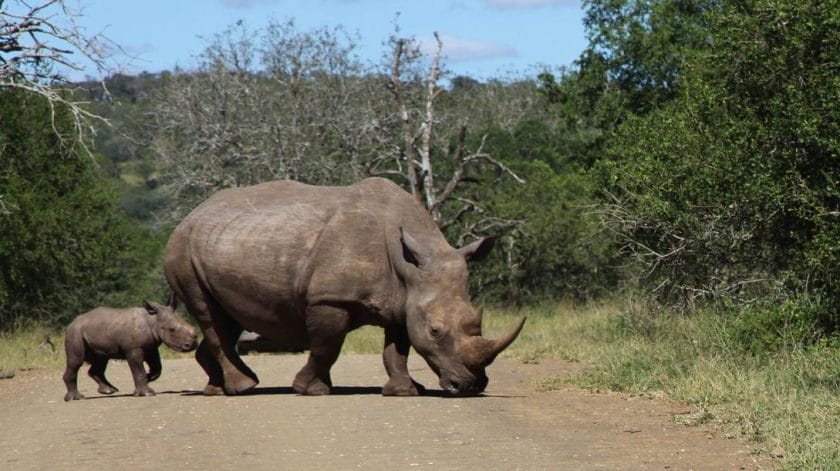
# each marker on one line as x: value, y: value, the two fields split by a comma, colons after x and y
x: 189, y: 346
x: 458, y: 386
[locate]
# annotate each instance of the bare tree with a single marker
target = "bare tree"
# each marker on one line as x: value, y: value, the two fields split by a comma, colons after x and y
x: 282, y: 104
x: 418, y: 145
x: 41, y: 43
x: 297, y: 105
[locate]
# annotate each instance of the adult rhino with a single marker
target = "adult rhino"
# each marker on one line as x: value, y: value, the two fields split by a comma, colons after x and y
x: 303, y: 265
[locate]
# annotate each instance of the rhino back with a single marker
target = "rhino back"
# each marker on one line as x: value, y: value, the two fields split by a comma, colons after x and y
x: 273, y: 249
x: 110, y: 332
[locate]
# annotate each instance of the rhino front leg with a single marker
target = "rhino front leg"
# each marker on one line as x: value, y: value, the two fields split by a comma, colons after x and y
x: 395, y: 357
x: 152, y: 358
x: 134, y: 358
x: 327, y: 327
x: 97, y: 372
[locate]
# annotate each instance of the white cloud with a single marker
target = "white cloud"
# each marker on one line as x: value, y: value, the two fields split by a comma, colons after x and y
x: 511, y: 4
x: 460, y: 49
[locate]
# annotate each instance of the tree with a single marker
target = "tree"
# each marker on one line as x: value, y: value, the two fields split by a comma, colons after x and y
x: 280, y: 104
x: 300, y: 105
x: 632, y: 65
x: 64, y: 245
x: 40, y: 43
x: 730, y: 193
x: 417, y: 147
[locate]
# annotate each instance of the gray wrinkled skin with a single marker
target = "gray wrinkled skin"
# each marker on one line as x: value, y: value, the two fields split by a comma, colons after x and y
x: 133, y: 334
x: 303, y: 265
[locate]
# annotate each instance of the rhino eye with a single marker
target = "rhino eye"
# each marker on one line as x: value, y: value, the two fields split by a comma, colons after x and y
x: 435, y: 332
x: 172, y: 329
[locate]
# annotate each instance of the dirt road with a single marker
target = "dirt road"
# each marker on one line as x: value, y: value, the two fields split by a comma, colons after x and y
x: 513, y: 426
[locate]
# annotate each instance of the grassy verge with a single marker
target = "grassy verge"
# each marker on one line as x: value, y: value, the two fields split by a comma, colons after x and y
x: 787, y: 400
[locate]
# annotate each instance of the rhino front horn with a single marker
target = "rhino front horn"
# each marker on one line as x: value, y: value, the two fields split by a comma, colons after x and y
x: 484, y: 351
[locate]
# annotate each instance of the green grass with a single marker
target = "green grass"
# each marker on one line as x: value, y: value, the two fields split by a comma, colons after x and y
x: 788, y: 398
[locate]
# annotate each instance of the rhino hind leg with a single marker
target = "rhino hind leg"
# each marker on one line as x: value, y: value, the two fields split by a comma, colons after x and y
x: 327, y: 326
x: 97, y: 372
x: 216, y: 380
x: 227, y: 373
x: 75, y: 355
x: 395, y: 358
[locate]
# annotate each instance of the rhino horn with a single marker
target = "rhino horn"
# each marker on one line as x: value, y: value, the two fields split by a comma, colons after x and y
x: 482, y: 352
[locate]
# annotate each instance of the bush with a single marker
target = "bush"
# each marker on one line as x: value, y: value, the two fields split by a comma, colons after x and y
x: 730, y: 193
x: 65, y: 246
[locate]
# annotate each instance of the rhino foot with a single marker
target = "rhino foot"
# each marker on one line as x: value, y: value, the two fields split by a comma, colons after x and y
x: 211, y: 390
x: 240, y: 386
x: 144, y: 392
x: 107, y: 390
x: 316, y: 387
x: 73, y: 396
x: 401, y: 387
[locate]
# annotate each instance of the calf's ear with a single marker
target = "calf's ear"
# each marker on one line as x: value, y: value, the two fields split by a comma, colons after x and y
x: 477, y: 250
x: 149, y: 307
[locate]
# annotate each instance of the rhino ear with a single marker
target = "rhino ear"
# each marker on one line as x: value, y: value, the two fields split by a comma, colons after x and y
x: 477, y: 250
x: 410, y: 248
x: 152, y: 310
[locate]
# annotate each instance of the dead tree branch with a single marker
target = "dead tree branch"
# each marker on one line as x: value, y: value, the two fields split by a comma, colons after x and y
x: 409, y: 152
x: 40, y: 44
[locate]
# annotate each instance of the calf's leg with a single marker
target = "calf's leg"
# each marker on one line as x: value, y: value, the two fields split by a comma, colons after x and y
x: 74, y: 349
x: 97, y: 372
x: 152, y: 358
x: 134, y: 358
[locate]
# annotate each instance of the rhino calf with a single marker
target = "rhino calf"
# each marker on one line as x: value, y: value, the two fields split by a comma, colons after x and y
x: 133, y: 334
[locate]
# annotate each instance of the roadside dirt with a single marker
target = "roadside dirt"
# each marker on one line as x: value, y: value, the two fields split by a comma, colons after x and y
x: 512, y: 426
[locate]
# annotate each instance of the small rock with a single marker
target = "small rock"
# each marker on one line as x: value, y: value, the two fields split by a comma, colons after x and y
x: 632, y: 429
x: 7, y: 374
x: 778, y: 452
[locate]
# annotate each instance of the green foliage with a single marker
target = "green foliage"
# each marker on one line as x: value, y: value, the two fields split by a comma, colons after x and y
x: 731, y: 191
x: 633, y: 64
x: 64, y: 246
x: 768, y: 328
x: 557, y: 250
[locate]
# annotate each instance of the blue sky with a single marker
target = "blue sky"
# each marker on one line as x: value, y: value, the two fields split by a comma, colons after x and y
x: 482, y: 38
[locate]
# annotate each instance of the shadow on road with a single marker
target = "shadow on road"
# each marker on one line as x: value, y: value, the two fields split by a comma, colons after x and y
x: 287, y: 390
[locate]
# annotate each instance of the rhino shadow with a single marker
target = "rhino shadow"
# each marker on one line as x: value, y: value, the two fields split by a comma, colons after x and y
x: 335, y: 391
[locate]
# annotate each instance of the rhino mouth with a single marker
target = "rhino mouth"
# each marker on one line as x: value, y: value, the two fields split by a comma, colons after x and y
x: 185, y: 347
